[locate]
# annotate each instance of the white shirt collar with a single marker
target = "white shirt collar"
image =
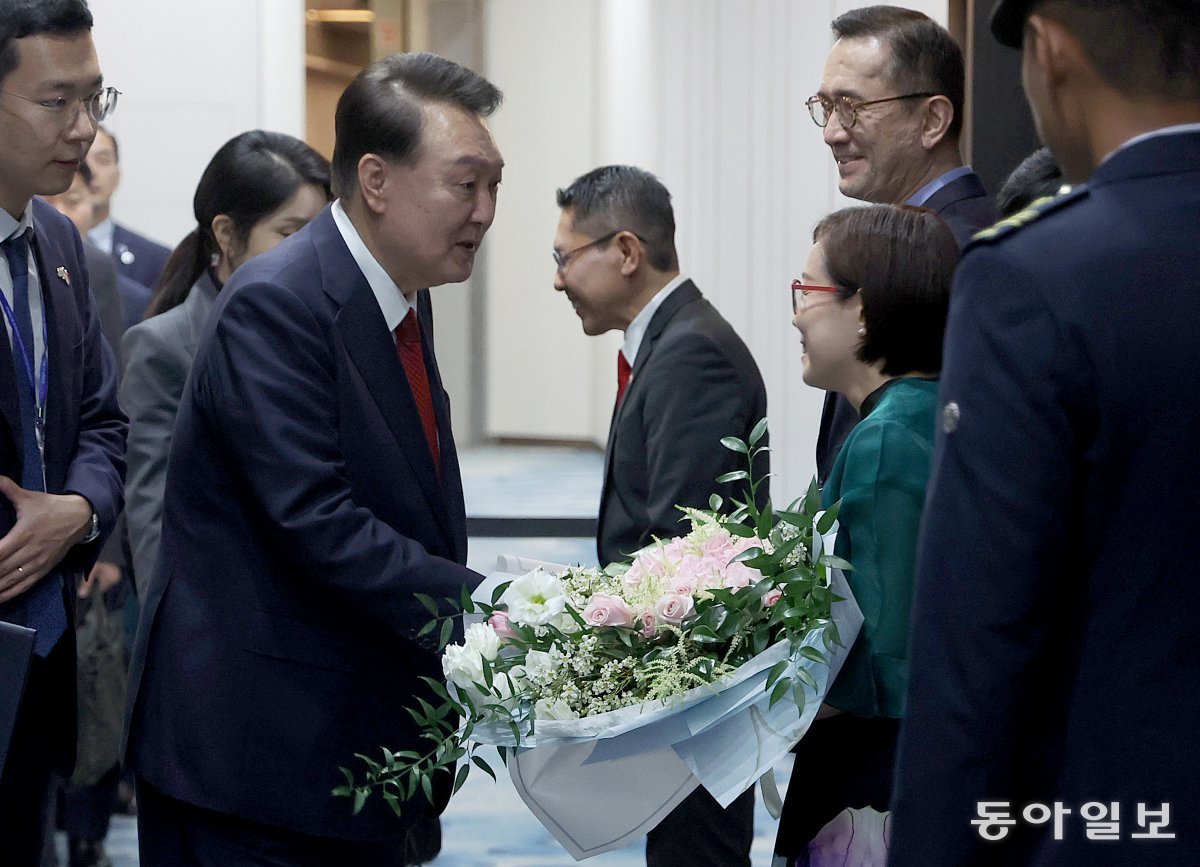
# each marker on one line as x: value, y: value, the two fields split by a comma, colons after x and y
x: 10, y: 227
x: 637, y: 328
x: 102, y: 236
x: 391, y: 300
x: 1178, y: 129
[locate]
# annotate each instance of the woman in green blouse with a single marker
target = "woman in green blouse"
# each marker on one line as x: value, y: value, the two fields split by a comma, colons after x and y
x: 871, y: 310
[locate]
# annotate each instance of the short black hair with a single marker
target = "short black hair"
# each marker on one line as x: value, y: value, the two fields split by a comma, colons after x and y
x: 1039, y: 175
x: 22, y: 18
x: 902, y: 260
x: 615, y: 198
x: 924, y: 56
x: 380, y: 112
x: 1140, y: 48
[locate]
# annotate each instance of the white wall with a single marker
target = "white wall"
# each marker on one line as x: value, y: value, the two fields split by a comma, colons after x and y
x: 192, y: 75
x: 709, y: 95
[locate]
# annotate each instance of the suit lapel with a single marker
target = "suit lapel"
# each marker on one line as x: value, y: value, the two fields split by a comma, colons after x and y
x: 967, y: 187
x: 672, y: 304
x: 373, y: 353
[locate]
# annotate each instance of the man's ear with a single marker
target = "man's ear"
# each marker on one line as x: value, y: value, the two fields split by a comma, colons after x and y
x: 1053, y: 49
x: 373, y: 176
x: 935, y: 124
x: 632, y: 252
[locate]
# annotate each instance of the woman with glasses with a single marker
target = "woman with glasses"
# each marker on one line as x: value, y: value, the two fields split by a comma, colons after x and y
x: 871, y: 310
x: 259, y: 188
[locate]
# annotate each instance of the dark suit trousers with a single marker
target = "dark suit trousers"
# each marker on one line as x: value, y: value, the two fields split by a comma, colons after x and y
x: 39, y: 744
x: 172, y: 833
x: 698, y: 833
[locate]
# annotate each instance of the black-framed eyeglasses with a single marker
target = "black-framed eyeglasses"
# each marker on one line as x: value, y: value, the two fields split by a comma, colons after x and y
x: 99, y: 105
x: 802, y: 291
x: 822, y: 108
x: 561, y: 260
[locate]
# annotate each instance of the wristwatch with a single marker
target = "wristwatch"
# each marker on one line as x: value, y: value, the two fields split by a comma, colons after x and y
x: 93, y: 529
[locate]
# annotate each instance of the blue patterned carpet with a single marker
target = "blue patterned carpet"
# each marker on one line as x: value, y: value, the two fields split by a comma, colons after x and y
x: 486, y: 825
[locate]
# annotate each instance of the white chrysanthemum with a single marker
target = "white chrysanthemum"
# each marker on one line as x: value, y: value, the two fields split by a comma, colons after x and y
x: 463, y: 666
x: 534, y: 599
x: 483, y: 640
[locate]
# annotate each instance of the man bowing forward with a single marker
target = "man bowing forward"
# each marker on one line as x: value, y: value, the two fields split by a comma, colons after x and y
x: 313, y: 488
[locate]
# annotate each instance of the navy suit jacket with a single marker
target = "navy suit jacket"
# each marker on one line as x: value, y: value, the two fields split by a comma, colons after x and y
x: 302, y: 512
x: 1055, y: 654
x: 966, y: 208
x: 137, y: 257
x: 693, y: 382
x: 85, y: 430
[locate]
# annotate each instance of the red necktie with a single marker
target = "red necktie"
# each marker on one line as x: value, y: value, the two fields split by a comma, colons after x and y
x: 408, y: 346
x: 624, y: 371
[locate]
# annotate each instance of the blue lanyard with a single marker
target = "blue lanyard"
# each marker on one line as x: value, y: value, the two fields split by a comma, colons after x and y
x: 40, y: 387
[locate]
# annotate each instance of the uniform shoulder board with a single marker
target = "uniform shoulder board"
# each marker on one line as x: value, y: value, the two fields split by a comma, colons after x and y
x: 1034, y: 210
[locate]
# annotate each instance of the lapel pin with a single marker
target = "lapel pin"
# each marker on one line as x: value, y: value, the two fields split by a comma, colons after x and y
x: 64, y: 275
x: 127, y: 256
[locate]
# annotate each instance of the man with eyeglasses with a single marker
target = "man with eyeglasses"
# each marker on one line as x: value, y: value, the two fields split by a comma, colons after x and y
x: 890, y: 107
x: 62, y: 435
x: 684, y: 380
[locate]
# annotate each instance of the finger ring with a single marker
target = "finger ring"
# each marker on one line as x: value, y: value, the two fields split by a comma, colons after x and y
x: 20, y: 570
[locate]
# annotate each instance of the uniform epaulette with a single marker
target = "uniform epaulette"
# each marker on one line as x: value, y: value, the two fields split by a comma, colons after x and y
x: 1034, y: 210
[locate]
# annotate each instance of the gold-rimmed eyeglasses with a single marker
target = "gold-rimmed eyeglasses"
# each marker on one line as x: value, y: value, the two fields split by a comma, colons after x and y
x: 99, y: 105
x: 801, y: 293
x: 822, y: 108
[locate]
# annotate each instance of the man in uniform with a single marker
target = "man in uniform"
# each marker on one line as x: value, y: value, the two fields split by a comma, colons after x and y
x: 1055, y: 653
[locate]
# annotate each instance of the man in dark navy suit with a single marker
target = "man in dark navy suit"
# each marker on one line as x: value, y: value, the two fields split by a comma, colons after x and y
x: 891, y: 108
x: 136, y: 256
x: 1055, y: 655
x: 313, y: 490
x: 62, y: 435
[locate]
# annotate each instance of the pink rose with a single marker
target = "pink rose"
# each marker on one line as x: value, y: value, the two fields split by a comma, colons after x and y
x: 649, y: 624
x: 772, y: 596
x: 499, y: 622
x: 605, y: 610
x: 738, y: 575
x: 673, y: 608
x: 635, y: 575
x: 683, y: 584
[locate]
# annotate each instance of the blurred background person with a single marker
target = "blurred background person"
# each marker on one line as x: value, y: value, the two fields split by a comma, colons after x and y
x: 259, y: 188
x: 136, y: 256
x: 871, y: 311
x: 1037, y: 177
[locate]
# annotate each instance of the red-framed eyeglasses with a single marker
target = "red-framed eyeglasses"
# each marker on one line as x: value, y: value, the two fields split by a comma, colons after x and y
x: 800, y: 292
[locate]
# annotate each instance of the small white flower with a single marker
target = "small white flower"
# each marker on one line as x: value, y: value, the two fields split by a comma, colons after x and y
x: 463, y: 666
x: 536, y: 598
x: 554, y: 709
x: 540, y: 667
x: 483, y: 640
x: 506, y: 684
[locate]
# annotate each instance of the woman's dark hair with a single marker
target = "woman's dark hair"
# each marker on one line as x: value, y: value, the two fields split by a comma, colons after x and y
x: 247, y: 179
x: 901, y: 259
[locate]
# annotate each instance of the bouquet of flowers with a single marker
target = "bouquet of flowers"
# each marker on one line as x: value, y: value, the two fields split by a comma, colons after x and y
x: 701, y: 661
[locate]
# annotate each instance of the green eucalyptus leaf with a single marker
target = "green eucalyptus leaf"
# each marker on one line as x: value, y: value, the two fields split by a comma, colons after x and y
x: 447, y: 632
x: 360, y: 798
x: 734, y: 444
x: 427, y: 601
x: 733, y: 476
x: 715, y: 502
x: 460, y: 778
x: 779, y: 691
x: 759, y: 429
x: 813, y: 654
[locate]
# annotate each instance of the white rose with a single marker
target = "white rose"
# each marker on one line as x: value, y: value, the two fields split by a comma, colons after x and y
x: 536, y: 598
x: 483, y: 640
x: 540, y: 666
x: 553, y: 709
x: 463, y: 666
x: 505, y: 684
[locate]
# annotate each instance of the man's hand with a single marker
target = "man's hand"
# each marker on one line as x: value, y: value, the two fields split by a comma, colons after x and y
x: 102, y: 577
x: 46, y: 528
